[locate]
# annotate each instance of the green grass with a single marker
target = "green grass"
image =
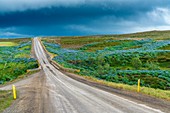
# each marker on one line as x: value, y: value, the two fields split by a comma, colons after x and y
x: 6, y: 100
x: 17, y: 40
x: 15, y: 61
x: 162, y: 94
x: 12, y: 70
x: 157, y: 35
x: 22, y: 55
x: 25, y: 48
x: 165, y: 48
x: 7, y: 44
x: 78, y: 42
x: 102, y: 45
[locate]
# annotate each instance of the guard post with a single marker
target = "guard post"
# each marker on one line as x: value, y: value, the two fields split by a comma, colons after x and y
x: 14, y: 92
x: 138, y: 90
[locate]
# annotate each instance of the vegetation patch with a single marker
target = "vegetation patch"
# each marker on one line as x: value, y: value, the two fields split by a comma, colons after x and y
x: 15, y: 61
x: 142, y: 60
x: 7, y: 44
x: 165, y: 47
x: 163, y: 94
x: 78, y: 42
x: 6, y: 100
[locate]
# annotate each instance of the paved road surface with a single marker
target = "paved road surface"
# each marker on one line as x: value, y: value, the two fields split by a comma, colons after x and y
x: 57, y: 93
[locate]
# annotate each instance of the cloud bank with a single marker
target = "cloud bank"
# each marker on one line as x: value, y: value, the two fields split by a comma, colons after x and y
x: 23, y: 5
x: 83, y: 17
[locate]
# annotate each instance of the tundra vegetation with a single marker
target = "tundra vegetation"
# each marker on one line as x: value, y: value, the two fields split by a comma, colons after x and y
x: 117, y: 58
x: 15, y: 59
x: 5, y: 100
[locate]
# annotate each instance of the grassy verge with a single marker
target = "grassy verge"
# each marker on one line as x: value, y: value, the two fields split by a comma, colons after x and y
x: 6, y: 100
x: 158, y: 93
x: 7, y: 44
x: 27, y: 74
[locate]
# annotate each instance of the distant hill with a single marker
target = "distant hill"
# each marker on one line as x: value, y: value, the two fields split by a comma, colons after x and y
x: 150, y: 34
x: 147, y: 34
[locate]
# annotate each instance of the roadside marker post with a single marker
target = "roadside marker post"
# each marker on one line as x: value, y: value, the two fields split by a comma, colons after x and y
x: 138, y: 85
x: 14, y: 92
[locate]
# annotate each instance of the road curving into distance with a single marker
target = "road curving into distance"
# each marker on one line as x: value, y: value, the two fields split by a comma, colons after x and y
x: 66, y: 95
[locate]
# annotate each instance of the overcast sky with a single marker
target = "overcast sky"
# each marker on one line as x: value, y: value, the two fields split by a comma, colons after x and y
x: 20, y: 18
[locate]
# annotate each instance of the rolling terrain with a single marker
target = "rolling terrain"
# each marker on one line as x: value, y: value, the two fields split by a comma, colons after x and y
x: 117, y: 59
x: 52, y: 91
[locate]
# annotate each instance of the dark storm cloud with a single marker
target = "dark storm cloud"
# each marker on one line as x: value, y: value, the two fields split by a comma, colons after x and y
x: 82, y: 17
x: 22, y: 5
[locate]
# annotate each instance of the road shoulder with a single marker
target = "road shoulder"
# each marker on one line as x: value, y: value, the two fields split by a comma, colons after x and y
x: 134, y: 96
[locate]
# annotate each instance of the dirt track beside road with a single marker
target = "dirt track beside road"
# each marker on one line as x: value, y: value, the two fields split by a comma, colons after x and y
x: 33, y: 95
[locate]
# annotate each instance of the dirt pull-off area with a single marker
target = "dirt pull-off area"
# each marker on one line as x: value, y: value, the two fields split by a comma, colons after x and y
x: 33, y: 96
